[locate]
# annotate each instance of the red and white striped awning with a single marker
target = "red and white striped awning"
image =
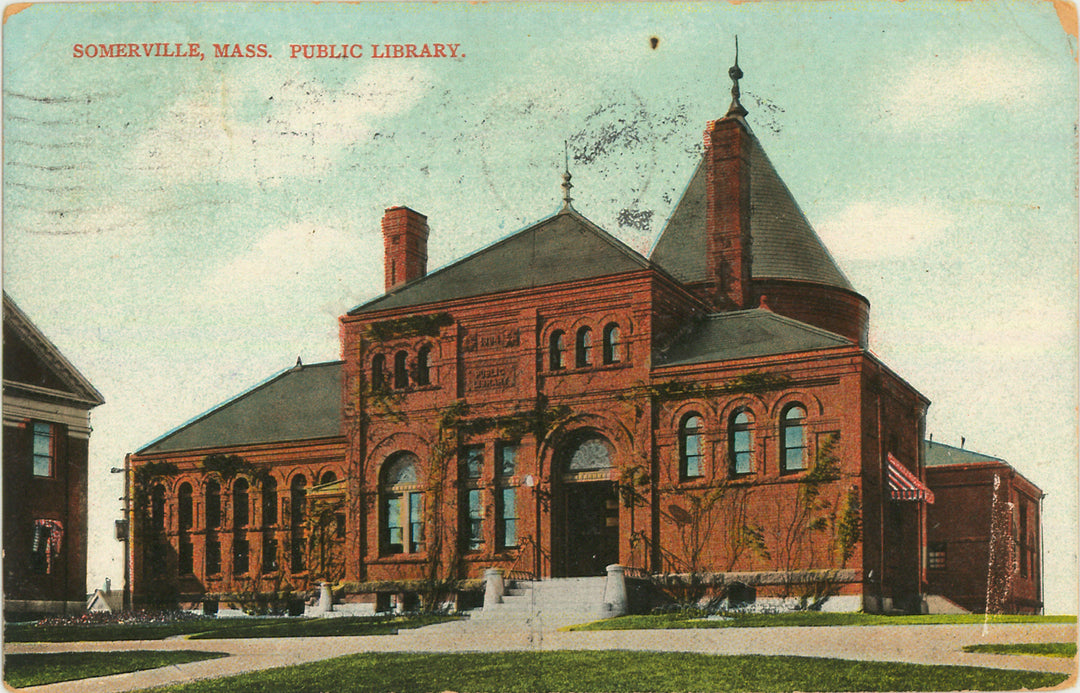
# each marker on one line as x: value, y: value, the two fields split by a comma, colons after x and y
x: 905, y: 486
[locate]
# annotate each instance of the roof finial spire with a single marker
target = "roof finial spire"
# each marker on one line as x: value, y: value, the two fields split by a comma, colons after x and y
x: 736, y: 109
x: 566, y: 185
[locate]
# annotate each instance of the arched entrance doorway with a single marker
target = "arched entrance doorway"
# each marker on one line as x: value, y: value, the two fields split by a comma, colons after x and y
x: 586, y: 508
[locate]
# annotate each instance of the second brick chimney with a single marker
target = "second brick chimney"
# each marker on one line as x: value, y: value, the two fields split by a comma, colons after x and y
x: 405, y: 236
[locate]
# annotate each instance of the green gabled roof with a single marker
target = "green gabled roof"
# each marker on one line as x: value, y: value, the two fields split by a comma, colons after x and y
x: 783, y: 244
x: 941, y: 455
x: 747, y: 334
x: 301, y: 403
x: 562, y: 248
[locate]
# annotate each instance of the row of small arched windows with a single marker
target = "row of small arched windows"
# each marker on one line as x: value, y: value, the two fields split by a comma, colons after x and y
x: 399, y: 376
x: 741, y: 440
x: 611, y: 348
x: 241, y: 490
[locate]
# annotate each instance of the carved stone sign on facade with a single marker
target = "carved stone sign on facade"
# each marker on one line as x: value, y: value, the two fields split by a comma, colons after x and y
x: 491, y: 376
x: 491, y: 338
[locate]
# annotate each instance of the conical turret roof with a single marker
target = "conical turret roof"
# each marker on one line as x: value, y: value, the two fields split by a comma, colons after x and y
x: 783, y: 243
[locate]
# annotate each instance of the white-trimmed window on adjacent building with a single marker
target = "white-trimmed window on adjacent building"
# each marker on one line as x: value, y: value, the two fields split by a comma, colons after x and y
x: 43, y: 448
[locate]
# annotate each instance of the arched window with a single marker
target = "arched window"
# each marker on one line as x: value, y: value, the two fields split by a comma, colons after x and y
x: 793, y: 438
x: 328, y: 478
x: 612, y: 347
x: 741, y: 442
x: 401, y: 371
x: 240, y: 503
x: 213, y: 505
x: 378, y: 372
x: 157, y: 508
x: 588, y: 452
x: 583, y: 349
x: 298, y: 506
x: 690, y: 446
x: 423, y: 366
x: 401, y: 514
x: 185, y: 507
x: 269, y: 501
x: 556, y: 348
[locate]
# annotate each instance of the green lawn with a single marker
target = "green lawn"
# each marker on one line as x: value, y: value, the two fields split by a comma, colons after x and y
x: 317, y: 627
x: 21, y: 670
x: 612, y: 671
x: 804, y: 618
x: 1044, y: 649
x: 218, y: 628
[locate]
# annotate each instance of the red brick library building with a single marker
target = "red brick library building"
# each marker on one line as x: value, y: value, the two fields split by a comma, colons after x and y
x: 557, y: 402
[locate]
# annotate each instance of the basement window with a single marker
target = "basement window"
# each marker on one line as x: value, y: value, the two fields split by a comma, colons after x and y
x: 935, y: 556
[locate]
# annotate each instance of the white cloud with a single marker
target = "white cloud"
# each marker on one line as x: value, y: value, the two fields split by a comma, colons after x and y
x: 939, y: 91
x: 290, y: 266
x: 868, y: 230
x: 268, y: 129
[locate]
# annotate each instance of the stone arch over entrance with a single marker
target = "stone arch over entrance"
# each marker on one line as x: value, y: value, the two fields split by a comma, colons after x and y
x: 585, y: 536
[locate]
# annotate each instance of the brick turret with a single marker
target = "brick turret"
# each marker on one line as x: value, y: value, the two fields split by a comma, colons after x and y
x: 405, y: 236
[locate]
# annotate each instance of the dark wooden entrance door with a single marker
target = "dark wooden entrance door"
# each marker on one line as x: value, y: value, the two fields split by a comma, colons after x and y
x: 590, y: 528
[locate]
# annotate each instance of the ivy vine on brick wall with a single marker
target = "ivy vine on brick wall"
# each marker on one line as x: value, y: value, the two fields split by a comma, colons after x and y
x: 676, y: 390
x: 408, y: 326
x: 230, y: 466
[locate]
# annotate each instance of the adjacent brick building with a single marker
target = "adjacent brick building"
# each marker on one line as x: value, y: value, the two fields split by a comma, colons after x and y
x: 984, y: 534
x: 47, y: 405
x: 557, y: 402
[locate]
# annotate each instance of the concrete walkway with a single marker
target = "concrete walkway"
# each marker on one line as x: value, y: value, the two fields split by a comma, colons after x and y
x: 917, y: 644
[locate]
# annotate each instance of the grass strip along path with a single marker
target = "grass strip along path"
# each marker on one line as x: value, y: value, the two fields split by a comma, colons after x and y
x: 692, y: 619
x: 211, y: 628
x: 1042, y: 649
x: 22, y: 670
x: 612, y: 671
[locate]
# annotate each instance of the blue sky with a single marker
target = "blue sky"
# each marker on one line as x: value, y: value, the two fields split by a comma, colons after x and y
x: 184, y: 228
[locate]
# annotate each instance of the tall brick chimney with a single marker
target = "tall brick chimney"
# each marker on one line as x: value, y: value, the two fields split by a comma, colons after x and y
x: 727, y: 199
x: 405, y: 235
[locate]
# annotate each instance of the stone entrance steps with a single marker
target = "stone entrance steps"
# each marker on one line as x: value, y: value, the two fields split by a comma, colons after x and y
x: 554, y: 599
